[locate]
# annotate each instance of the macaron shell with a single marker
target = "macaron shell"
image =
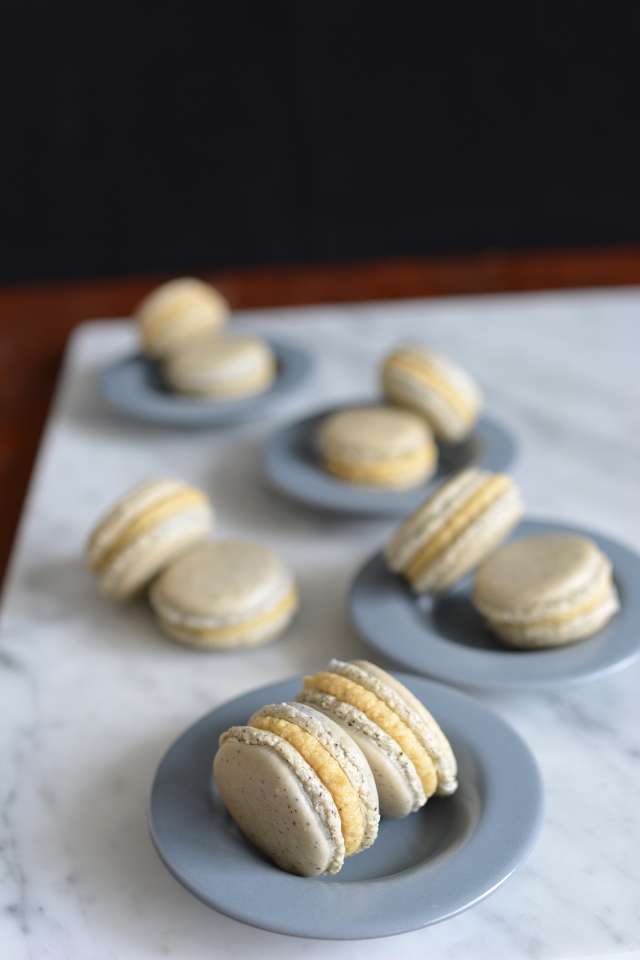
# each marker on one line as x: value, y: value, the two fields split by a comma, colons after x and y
x: 270, y: 805
x: 362, y: 434
x: 400, y: 791
x: 224, y: 366
x: 173, y: 313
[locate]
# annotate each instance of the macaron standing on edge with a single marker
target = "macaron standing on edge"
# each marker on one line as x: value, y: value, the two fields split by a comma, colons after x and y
x: 455, y: 529
x: 298, y: 787
x: 225, y: 595
x: 147, y: 528
x: 379, y: 446
x: 435, y: 386
x: 409, y: 755
x: 174, y: 313
x: 546, y: 591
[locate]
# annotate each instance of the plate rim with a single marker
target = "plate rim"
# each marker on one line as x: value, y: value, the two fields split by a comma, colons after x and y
x: 374, y: 503
x: 451, y: 675
x: 491, y: 823
x: 190, y: 412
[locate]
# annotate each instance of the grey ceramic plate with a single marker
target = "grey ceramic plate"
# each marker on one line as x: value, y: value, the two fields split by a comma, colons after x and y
x: 425, y: 868
x: 292, y: 466
x: 135, y: 386
x: 446, y: 637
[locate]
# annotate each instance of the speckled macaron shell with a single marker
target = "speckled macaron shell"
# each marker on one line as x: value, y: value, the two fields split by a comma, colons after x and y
x: 178, y: 311
x: 546, y: 591
x: 222, y: 367
x: 147, y: 528
x: 325, y: 735
x: 224, y: 595
x: 435, y: 386
x: 377, y: 446
x: 420, y: 764
x: 279, y: 802
x: 455, y: 529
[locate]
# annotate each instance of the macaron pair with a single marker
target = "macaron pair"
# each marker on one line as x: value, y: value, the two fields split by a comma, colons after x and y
x: 177, y: 312
x: 435, y: 386
x: 225, y: 595
x: 298, y: 787
x: 377, y: 446
x: 409, y: 755
x: 147, y: 528
x: 546, y: 591
x: 455, y: 529
x: 222, y: 367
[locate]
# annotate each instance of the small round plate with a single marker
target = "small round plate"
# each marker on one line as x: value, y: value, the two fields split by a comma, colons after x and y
x: 136, y: 386
x: 445, y: 637
x: 423, y: 869
x: 292, y: 465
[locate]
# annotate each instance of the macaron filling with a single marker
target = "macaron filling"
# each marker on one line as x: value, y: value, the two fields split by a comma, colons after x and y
x: 377, y: 711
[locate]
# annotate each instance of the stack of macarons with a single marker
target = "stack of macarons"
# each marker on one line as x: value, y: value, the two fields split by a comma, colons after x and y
x: 541, y: 591
x: 222, y: 595
x: 180, y: 326
x: 377, y: 446
x: 307, y: 781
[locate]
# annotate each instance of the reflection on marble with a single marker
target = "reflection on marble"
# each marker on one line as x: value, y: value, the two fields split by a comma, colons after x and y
x: 93, y: 694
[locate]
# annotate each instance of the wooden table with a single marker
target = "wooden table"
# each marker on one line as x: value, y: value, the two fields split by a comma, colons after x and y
x: 36, y: 320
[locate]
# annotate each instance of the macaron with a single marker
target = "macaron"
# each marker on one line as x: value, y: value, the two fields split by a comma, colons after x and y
x: 409, y: 755
x: 222, y: 367
x: 224, y: 595
x: 546, y: 591
x: 298, y: 787
x: 455, y: 529
x: 377, y: 446
x: 146, y: 529
x: 440, y: 389
x: 177, y: 311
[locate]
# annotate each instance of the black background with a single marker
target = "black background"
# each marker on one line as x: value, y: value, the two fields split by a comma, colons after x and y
x: 152, y: 137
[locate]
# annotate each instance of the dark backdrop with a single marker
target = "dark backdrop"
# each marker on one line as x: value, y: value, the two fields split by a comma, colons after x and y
x: 207, y: 134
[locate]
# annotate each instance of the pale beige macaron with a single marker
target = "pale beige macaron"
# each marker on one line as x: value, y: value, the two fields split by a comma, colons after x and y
x: 409, y: 755
x: 435, y: 386
x: 377, y: 446
x: 173, y: 314
x: 222, y: 367
x: 455, y: 529
x: 546, y: 591
x: 298, y: 787
x: 224, y: 595
x: 146, y: 529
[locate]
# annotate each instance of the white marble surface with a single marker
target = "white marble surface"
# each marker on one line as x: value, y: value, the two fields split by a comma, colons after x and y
x: 93, y: 694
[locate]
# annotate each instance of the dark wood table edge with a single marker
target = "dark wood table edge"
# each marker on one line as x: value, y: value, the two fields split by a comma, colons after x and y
x: 36, y: 320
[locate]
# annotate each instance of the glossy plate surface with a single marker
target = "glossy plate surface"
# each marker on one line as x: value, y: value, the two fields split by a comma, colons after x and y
x: 425, y: 868
x: 136, y: 387
x: 292, y: 465
x: 446, y: 638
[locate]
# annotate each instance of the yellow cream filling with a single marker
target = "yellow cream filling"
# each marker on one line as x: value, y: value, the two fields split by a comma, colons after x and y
x: 585, y: 607
x: 484, y: 498
x: 330, y: 773
x: 228, y: 634
x: 383, y: 470
x: 378, y: 711
x: 429, y: 378
x: 175, y: 504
